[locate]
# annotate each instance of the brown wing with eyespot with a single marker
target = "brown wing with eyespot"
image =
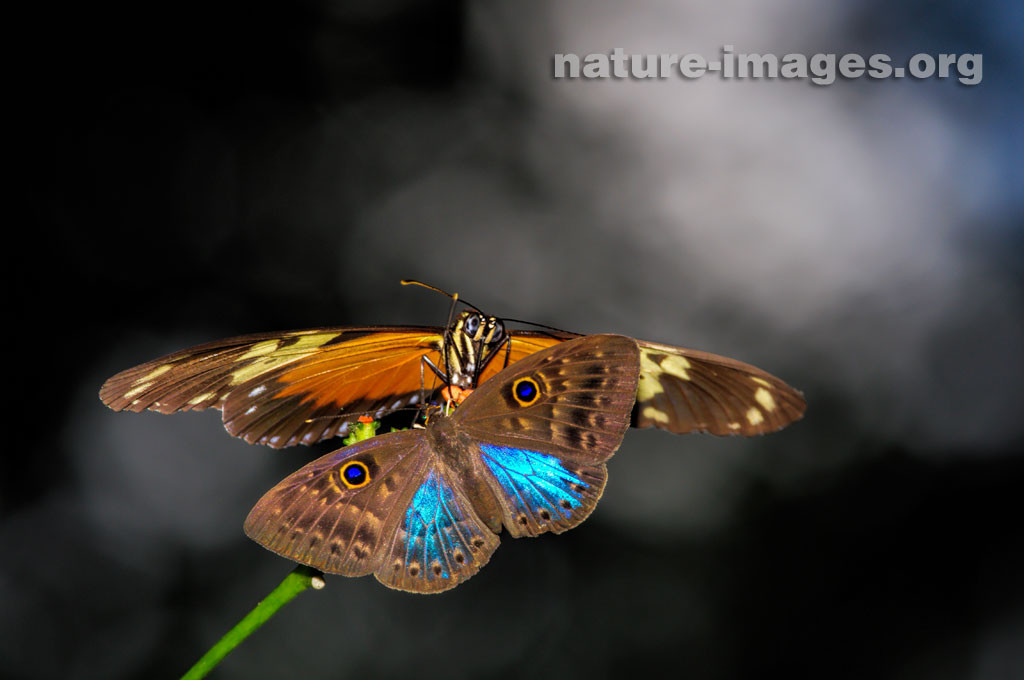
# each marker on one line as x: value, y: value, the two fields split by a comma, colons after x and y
x: 543, y: 428
x: 313, y: 517
x: 408, y: 521
x: 287, y: 388
x: 683, y: 390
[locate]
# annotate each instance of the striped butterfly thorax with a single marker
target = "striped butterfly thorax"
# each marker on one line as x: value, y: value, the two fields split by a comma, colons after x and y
x: 422, y: 508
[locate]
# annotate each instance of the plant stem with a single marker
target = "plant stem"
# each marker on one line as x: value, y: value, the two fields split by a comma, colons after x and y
x: 301, y: 578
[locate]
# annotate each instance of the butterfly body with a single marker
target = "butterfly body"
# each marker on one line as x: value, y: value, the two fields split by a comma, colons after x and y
x: 434, y: 500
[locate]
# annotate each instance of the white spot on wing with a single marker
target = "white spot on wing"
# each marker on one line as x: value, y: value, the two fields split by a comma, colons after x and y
x: 257, y: 391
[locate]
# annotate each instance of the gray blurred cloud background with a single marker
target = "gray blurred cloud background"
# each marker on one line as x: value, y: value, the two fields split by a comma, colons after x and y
x: 202, y: 171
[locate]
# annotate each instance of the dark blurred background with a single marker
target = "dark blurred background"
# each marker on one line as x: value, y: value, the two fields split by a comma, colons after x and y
x: 199, y: 170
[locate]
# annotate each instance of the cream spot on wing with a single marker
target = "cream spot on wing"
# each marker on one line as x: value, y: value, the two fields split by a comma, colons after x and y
x: 312, y: 341
x: 157, y: 372
x: 136, y: 390
x: 654, y: 414
x: 200, y: 399
x: 650, y: 370
x: 764, y: 398
x: 676, y: 365
x: 734, y: 425
x: 761, y: 381
x: 260, y: 349
x: 267, y: 357
x: 649, y: 386
x: 754, y: 416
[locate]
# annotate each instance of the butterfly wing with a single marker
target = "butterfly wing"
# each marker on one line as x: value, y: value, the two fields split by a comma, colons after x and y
x: 541, y: 430
x: 407, y: 519
x: 282, y: 389
x: 683, y: 390
x: 522, y: 344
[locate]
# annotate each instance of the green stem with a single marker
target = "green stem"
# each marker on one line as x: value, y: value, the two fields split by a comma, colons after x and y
x: 301, y: 578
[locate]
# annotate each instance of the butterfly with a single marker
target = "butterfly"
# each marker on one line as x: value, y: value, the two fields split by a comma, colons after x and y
x: 301, y: 387
x: 422, y: 509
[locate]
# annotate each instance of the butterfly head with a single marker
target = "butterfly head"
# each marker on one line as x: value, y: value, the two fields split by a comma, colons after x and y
x: 470, y: 344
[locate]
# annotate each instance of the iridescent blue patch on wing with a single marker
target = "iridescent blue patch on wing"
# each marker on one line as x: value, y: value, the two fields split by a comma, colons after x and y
x: 534, y: 481
x: 432, y: 524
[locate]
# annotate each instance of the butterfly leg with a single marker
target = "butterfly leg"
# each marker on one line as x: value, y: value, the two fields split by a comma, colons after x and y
x: 425, y: 360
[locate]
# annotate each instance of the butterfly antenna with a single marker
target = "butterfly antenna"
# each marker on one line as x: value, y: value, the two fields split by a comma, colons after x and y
x: 540, y: 325
x: 454, y: 296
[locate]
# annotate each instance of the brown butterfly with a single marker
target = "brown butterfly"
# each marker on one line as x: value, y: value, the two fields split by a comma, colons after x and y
x: 301, y: 387
x: 422, y: 509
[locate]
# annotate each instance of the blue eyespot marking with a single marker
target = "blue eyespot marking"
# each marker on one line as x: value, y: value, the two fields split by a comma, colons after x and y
x: 437, y: 540
x: 525, y: 391
x: 534, y: 482
x: 355, y: 474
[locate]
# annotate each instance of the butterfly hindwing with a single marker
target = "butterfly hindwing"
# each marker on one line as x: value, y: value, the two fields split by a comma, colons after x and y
x: 285, y: 388
x: 327, y: 517
x: 441, y: 540
x: 539, y: 492
x: 401, y: 514
x: 543, y: 428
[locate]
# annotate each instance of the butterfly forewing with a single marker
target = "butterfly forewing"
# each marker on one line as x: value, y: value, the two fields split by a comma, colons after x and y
x: 683, y: 391
x: 285, y: 388
x: 543, y: 452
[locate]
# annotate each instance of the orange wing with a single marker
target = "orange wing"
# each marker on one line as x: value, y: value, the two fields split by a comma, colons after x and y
x: 522, y: 345
x: 282, y: 389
